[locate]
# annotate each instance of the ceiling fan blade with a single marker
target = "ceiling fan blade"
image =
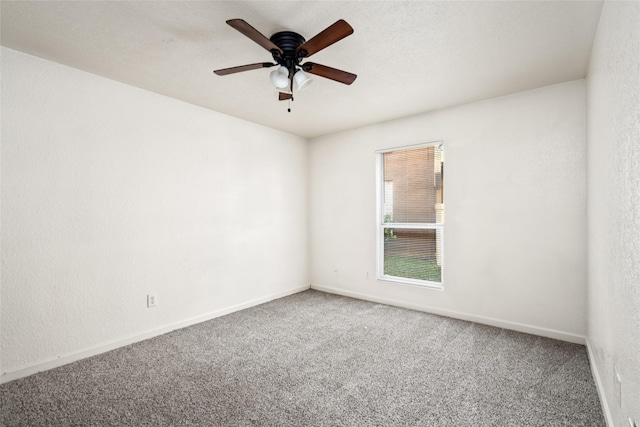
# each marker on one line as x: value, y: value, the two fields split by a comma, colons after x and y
x: 255, y: 35
x: 329, y: 73
x: 284, y: 96
x: 336, y: 32
x: 240, y: 68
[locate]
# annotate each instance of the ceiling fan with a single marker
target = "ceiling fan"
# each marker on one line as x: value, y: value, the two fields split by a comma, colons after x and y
x: 288, y: 50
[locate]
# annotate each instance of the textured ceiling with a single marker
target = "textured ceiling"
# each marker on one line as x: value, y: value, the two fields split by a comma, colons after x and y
x: 410, y: 56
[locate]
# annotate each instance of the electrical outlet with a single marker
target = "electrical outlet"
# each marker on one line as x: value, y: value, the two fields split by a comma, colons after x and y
x: 152, y: 300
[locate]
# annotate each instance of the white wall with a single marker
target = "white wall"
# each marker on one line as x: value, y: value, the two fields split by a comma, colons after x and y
x: 110, y: 192
x: 515, y: 202
x: 613, y: 136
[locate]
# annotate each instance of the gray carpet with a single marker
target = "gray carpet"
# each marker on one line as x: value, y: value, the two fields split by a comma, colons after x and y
x: 316, y: 359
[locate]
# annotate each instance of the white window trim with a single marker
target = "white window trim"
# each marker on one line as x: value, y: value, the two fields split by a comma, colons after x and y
x: 380, y: 225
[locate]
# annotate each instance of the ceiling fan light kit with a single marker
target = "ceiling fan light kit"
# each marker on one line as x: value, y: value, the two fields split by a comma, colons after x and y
x: 302, y: 79
x: 288, y: 50
x: 280, y: 77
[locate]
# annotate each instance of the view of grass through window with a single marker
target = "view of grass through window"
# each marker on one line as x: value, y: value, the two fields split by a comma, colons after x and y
x: 412, y: 268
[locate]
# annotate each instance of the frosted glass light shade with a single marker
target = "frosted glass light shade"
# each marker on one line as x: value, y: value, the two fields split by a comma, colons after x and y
x: 280, y: 77
x: 302, y: 79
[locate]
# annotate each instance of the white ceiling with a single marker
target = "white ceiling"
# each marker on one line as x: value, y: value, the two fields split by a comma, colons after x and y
x: 410, y: 56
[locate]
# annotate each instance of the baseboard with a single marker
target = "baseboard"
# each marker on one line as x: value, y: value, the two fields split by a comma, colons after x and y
x: 505, y: 324
x: 599, y: 386
x: 26, y: 370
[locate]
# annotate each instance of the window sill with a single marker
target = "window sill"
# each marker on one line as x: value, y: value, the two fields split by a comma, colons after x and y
x: 412, y: 282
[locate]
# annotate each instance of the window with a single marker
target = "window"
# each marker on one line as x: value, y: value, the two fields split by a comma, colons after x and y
x: 410, y: 212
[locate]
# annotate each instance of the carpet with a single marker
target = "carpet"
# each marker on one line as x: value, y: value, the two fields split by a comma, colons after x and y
x: 317, y: 359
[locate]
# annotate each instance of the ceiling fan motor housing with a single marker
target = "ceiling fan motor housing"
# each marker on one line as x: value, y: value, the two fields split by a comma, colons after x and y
x: 288, y: 41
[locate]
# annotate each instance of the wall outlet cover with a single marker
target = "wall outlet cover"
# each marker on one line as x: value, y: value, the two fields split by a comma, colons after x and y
x: 152, y: 300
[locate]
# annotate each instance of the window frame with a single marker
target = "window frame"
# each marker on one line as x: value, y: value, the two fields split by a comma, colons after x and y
x: 381, y: 225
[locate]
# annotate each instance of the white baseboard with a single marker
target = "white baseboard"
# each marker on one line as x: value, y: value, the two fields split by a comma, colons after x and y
x: 26, y: 370
x: 598, y: 380
x: 505, y: 324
